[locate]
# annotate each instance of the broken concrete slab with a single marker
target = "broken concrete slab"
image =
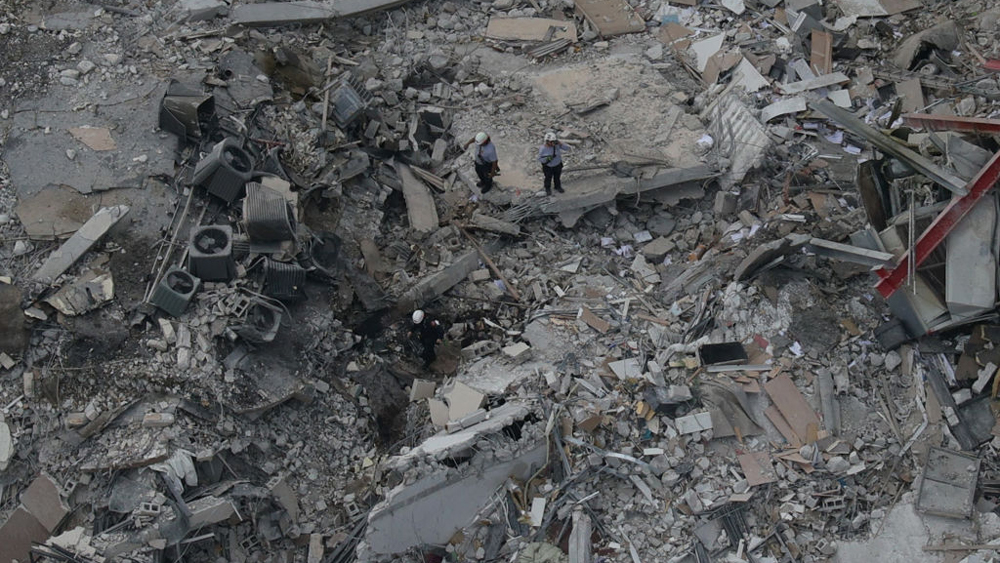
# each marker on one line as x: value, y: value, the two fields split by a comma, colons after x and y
x: 611, y: 17
x: 431, y: 510
x: 971, y: 267
x: 439, y: 282
x: 629, y: 368
x: 746, y: 76
x: 274, y: 14
x: 848, y: 253
x: 603, y: 189
x: 948, y: 485
x: 966, y: 158
x: 690, y: 424
x: 56, y: 212
x: 912, y: 94
x: 80, y: 243
x: 210, y: 510
x: 442, y: 445
x: 492, y: 224
x: 766, y: 253
x: 38, y: 159
x: 876, y: 8
x: 530, y: 29
x: 201, y: 10
x: 422, y: 389
x: 97, y: 138
x: 420, y: 206
x: 463, y: 400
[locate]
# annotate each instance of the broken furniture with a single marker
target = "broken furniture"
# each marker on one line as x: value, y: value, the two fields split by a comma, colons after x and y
x: 175, y: 291
x: 210, y: 253
x: 224, y: 171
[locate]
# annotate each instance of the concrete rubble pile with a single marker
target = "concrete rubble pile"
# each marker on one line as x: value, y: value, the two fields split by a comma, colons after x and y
x: 759, y: 325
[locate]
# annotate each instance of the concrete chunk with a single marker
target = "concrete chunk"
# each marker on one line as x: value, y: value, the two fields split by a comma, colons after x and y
x: 6, y: 446
x: 80, y: 243
x: 694, y: 423
x: 659, y: 248
x: 463, y: 400
x: 422, y: 389
x: 210, y: 510
x: 519, y: 352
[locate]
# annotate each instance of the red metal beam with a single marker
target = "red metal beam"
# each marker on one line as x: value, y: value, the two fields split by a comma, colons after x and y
x: 952, y: 123
x: 939, y: 229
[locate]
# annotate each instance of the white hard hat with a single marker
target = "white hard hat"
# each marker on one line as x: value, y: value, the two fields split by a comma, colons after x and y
x: 550, y: 136
x: 481, y: 137
x: 418, y: 317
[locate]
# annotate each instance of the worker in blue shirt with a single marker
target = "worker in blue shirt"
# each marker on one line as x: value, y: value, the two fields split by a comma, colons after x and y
x: 550, y: 155
x: 487, y: 162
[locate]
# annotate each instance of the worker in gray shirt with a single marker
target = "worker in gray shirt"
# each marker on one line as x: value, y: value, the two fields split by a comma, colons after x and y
x: 487, y: 161
x: 550, y: 155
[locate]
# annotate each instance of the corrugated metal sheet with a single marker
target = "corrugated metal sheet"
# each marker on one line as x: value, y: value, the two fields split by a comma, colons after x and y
x: 738, y: 135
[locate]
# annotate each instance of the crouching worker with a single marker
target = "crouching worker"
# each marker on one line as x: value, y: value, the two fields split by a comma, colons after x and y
x: 429, y: 333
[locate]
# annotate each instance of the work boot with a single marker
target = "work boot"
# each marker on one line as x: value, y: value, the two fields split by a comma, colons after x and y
x: 560, y: 190
x: 548, y: 191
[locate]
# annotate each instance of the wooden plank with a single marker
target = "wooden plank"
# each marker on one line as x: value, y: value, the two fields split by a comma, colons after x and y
x: 821, y: 58
x: 757, y: 468
x: 774, y: 415
x: 793, y: 406
x: 595, y: 322
x: 611, y: 17
x: 530, y: 29
x: 420, y: 208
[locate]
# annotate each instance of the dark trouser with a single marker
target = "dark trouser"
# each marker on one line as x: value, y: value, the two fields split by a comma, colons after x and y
x: 552, y: 174
x: 428, y: 354
x: 485, y: 180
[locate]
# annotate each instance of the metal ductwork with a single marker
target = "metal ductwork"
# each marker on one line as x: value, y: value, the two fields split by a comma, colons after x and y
x: 175, y: 291
x: 261, y: 324
x: 224, y: 171
x: 267, y: 215
x: 284, y: 280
